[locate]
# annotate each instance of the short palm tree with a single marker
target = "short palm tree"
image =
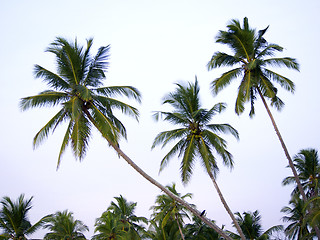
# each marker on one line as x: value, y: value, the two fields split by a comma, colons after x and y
x: 107, y: 227
x: 250, y: 223
x: 308, y: 168
x: 14, y: 219
x: 62, y: 225
x: 124, y: 211
x: 197, y: 230
x: 77, y: 88
x: 296, y: 217
x: 196, y: 137
x: 167, y: 209
x: 252, y: 56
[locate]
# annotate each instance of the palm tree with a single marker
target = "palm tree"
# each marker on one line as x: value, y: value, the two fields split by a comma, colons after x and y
x: 250, y: 223
x: 168, y: 209
x: 78, y: 89
x: 124, y: 211
x: 296, y: 217
x: 307, y: 165
x: 14, y: 219
x: 157, y: 231
x: 107, y: 227
x: 196, y: 137
x: 197, y: 230
x: 62, y: 225
x: 250, y: 56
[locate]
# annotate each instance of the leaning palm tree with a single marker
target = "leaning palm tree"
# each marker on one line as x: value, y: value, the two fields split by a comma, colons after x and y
x: 14, y: 219
x: 308, y: 168
x: 124, y: 211
x: 250, y: 223
x: 252, y: 56
x: 168, y: 209
x: 77, y: 88
x: 62, y: 225
x: 196, y: 137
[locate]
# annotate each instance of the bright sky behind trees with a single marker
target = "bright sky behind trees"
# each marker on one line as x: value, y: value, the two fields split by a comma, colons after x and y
x: 154, y: 44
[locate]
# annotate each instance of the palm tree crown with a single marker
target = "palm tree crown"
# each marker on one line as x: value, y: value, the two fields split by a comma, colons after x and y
x: 77, y: 88
x: 252, y: 55
x: 14, y: 220
x: 196, y: 136
x: 62, y: 225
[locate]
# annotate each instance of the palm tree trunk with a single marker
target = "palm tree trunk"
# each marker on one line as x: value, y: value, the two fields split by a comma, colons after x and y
x: 295, y: 174
x: 180, y: 230
x: 235, y: 222
x: 169, y: 193
x: 157, y: 184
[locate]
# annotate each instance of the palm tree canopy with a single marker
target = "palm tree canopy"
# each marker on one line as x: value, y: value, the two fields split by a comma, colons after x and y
x: 14, y: 219
x: 62, y: 225
x: 196, y: 135
x: 250, y: 223
x: 77, y: 88
x: 251, y: 56
x: 307, y: 165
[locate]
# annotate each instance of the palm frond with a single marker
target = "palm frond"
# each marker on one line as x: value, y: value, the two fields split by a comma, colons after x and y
x: 128, y: 91
x: 223, y: 128
x: 65, y: 142
x: 284, y: 82
x: 176, y: 148
x: 288, y: 62
x: 52, y: 79
x: 221, y: 59
x: 43, y: 99
x: 167, y: 136
x: 187, y: 163
x: 225, y: 79
x: 51, y: 125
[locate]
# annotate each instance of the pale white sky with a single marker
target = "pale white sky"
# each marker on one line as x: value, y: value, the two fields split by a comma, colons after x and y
x: 153, y: 45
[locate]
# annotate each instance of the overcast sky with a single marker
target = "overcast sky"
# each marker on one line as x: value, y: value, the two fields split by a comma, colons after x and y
x: 154, y: 44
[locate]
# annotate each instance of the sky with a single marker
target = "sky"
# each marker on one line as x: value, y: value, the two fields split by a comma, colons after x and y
x: 154, y: 44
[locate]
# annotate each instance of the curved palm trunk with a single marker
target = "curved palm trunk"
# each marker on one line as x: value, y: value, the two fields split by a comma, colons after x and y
x: 169, y: 193
x: 236, y: 224
x: 157, y: 184
x: 180, y: 230
x: 295, y: 174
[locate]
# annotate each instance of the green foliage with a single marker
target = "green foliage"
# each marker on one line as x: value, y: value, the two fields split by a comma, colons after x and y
x: 196, y: 137
x: 250, y: 52
x: 14, y: 219
x: 77, y: 88
x: 62, y: 225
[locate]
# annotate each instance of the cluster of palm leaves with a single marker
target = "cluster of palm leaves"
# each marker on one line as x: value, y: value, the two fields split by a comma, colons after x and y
x: 77, y: 87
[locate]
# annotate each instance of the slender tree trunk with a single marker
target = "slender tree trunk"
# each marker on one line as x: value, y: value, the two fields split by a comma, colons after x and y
x: 169, y: 193
x: 180, y: 230
x: 295, y: 174
x: 235, y: 222
x: 157, y: 184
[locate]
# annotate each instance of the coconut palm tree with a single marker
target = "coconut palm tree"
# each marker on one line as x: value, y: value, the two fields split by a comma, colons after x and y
x: 107, y: 227
x: 168, y: 209
x: 62, y: 225
x: 252, y: 56
x: 157, y: 231
x: 14, y: 218
x: 196, y: 137
x: 296, y: 216
x: 250, y: 223
x: 124, y: 211
x: 197, y: 230
x: 77, y: 88
x: 307, y: 165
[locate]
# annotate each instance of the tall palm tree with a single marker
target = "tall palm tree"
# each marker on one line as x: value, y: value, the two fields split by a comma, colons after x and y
x: 307, y: 165
x: 167, y: 209
x: 196, y: 137
x: 296, y: 217
x: 77, y: 88
x: 251, y: 57
x: 250, y: 223
x: 14, y: 219
x: 124, y: 211
x: 62, y: 225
